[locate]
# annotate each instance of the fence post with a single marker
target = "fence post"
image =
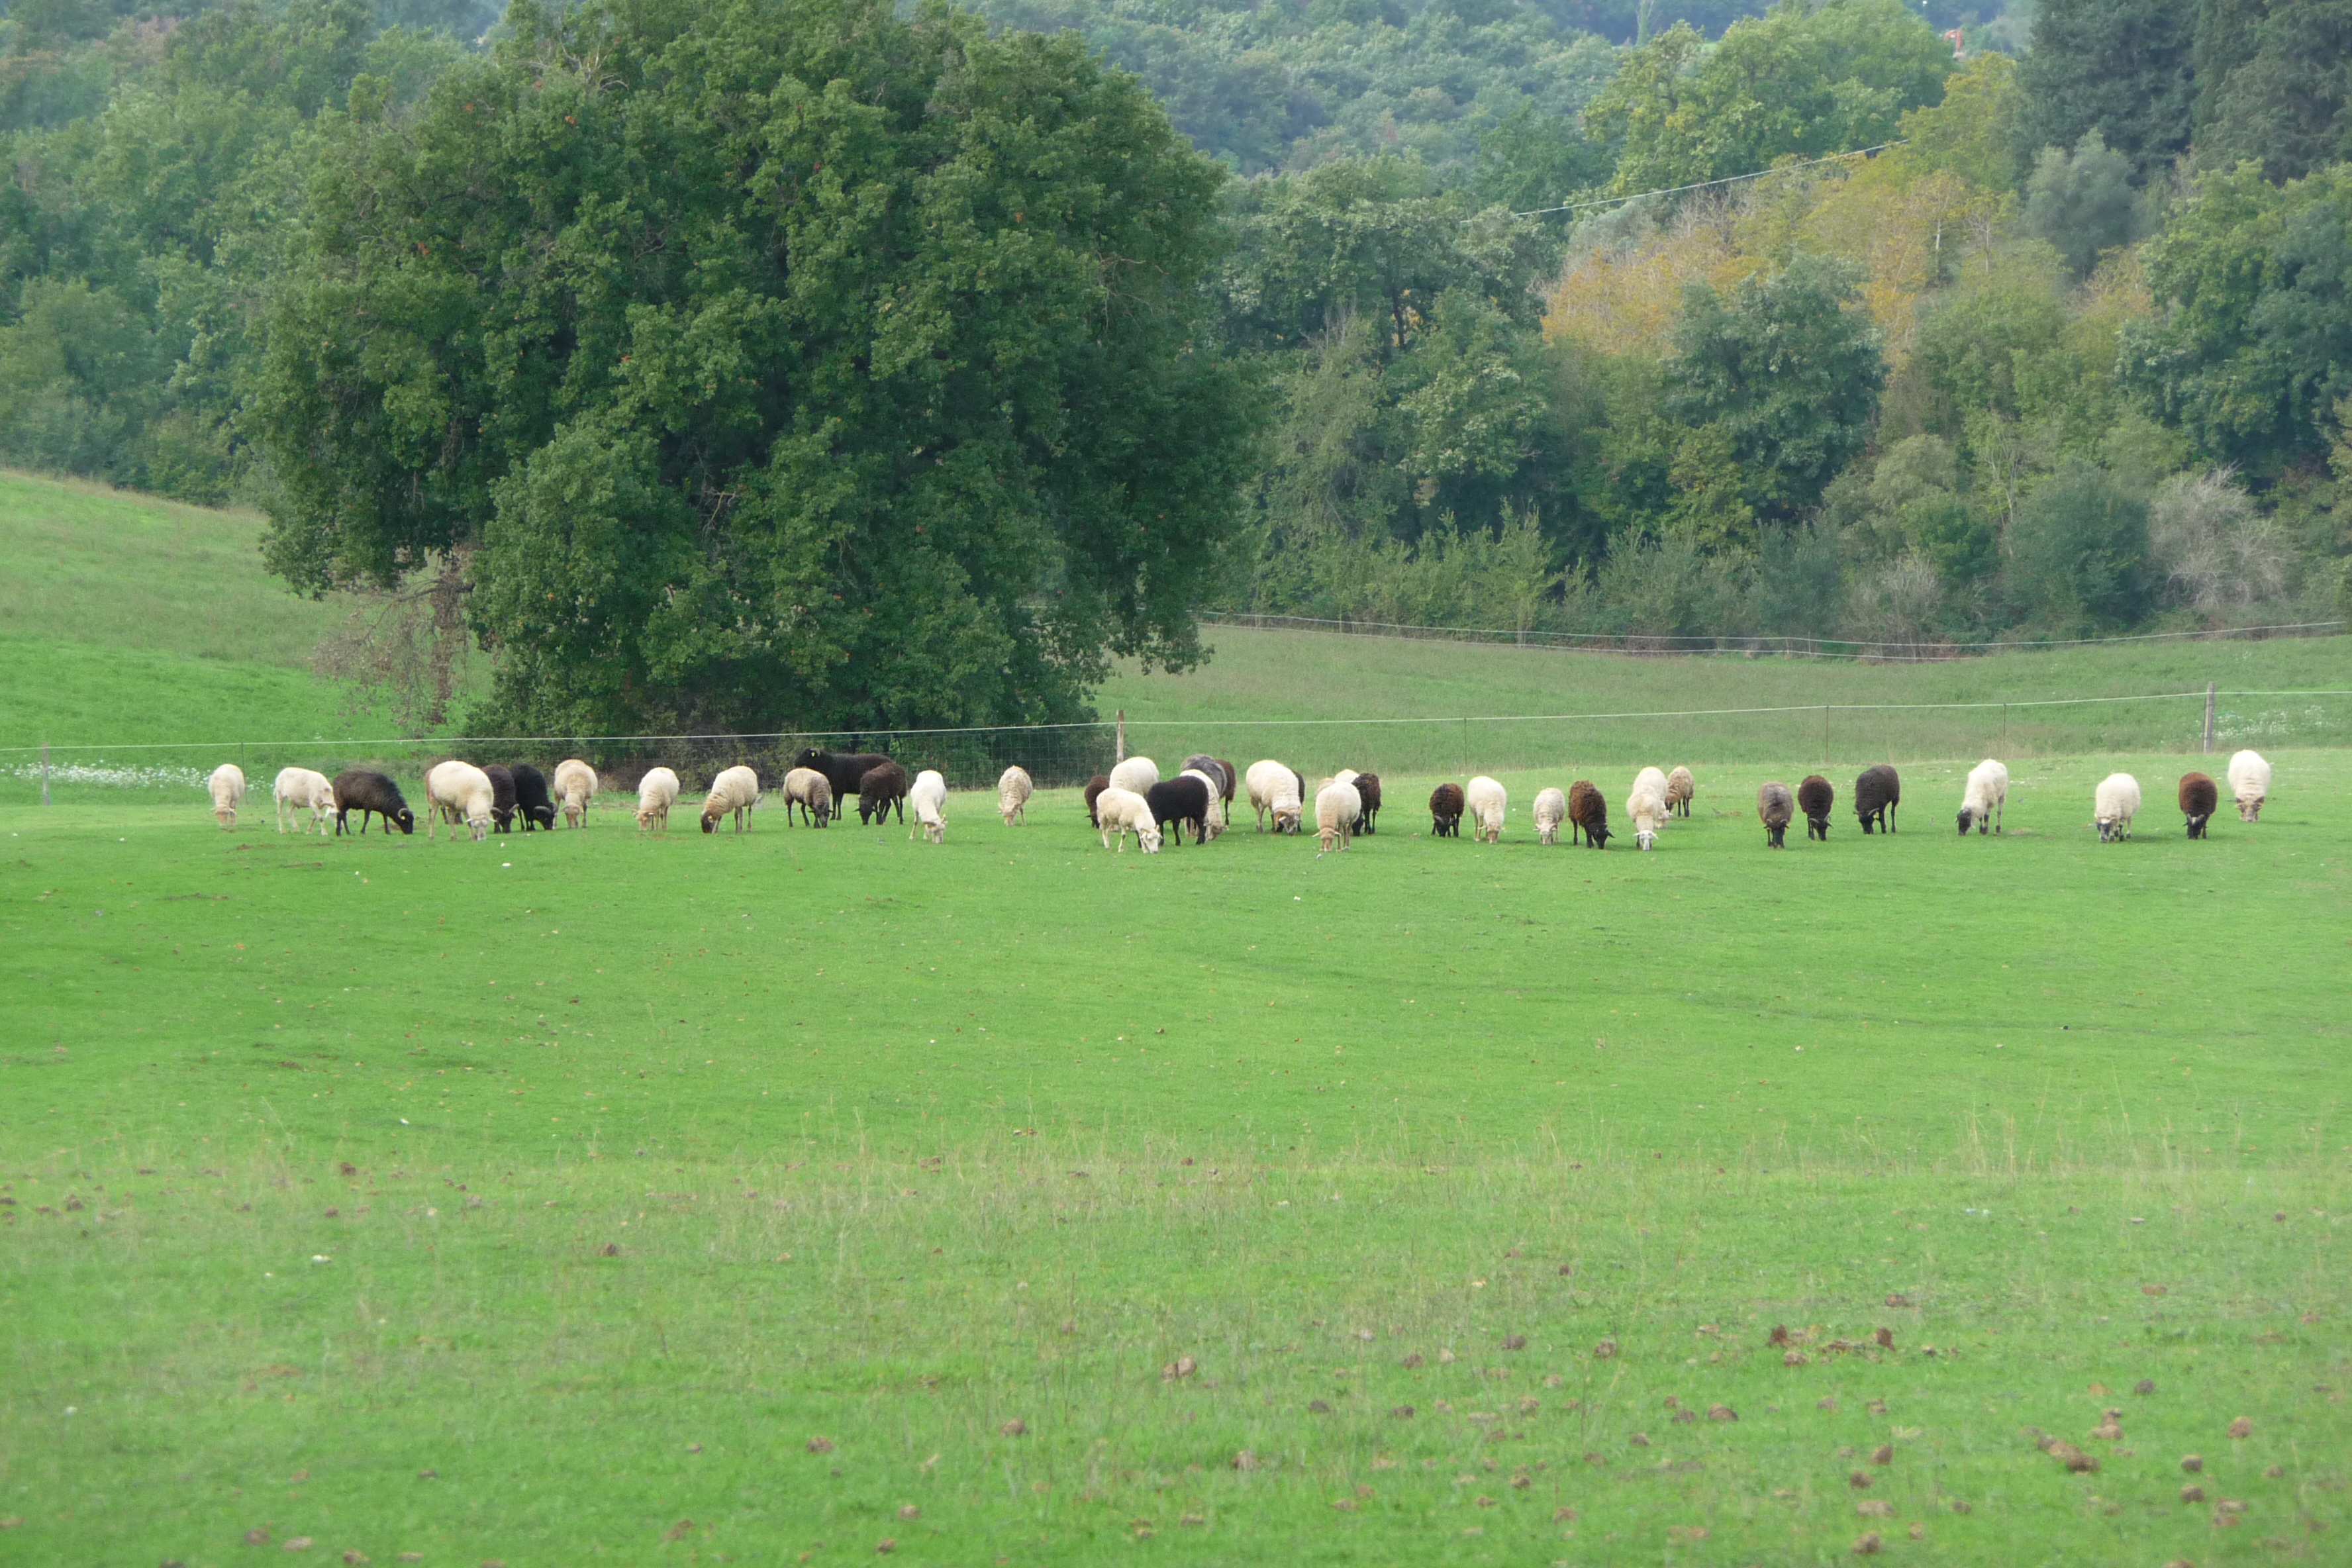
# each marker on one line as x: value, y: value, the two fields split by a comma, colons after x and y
x: 1120, y: 755
x: 2209, y: 715
x: 45, y: 773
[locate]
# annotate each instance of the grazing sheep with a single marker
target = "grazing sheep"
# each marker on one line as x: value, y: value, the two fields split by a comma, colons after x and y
x: 657, y: 793
x: 1182, y: 799
x: 1134, y: 775
x: 365, y: 791
x: 533, y: 802
x: 2114, y: 805
x: 502, y: 796
x: 1121, y: 812
x: 841, y: 772
x: 1680, y: 790
x: 1216, y: 813
x: 735, y: 790
x: 1232, y: 782
x: 1487, y: 804
x: 1985, y: 800
x: 299, y: 790
x: 1445, y: 811
x: 1094, y: 786
x: 1877, y: 794
x: 1776, y: 808
x: 1208, y: 767
x: 807, y: 788
x: 1648, y: 808
x: 575, y: 786
x: 1550, y: 810
x: 1013, y: 792
x: 455, y: 792
x: 1336, y: 807
x: 1816, y: 798
x: 1653, y: 778
x: 928, y: 795
x: 2249, y: 783
x: 2200, y: 796
x: 1368, y: 790
x: 878, y: 789
x: 226, y: 787
x: 1274, y: 788
x: 1588, y: 814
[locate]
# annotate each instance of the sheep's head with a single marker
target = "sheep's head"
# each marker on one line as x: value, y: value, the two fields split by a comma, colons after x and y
x: 1286, y: 819
x: 2109, y: 827
x: 1598, y: 835
x: 644, y: 817
x: 709, y: 819
x: 1967, y: 819
x: 1147, y: 838
x: 2250, y: 810
x: 541, y: 817
x: 225, y: 816
x: 404, y: 820
x: 1645, y: 837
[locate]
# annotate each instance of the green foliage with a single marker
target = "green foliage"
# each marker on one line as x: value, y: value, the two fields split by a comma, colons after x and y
x: 1530, y: 159
x: 2275, y: 85
x: 2122, y: 68
x: 2081, y: 204
x: 2080, y: 552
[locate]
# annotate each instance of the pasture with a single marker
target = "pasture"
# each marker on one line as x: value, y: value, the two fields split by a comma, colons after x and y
x: 803, y: 1196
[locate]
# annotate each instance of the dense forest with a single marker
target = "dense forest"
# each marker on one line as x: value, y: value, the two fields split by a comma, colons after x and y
x: 746, y: 363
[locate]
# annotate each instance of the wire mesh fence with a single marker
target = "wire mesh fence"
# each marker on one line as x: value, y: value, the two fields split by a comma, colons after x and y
x: 1067, y: 755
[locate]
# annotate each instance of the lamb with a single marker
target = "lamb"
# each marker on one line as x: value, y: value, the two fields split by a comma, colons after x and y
x: 2199, y: 798
x: 502, y: 796
x: 1680, y: 790
x: 1985, y: 800
x: 575, y: 786
x: 2249, y: 783
x: 1816, y: 798
x: 2114, y: 805
x: 841, y: 771
x: 1215, y: 817
x: 1589, y: 812
x: 1776, y: 808
x: 1445, y: 811
x: 1013, y: 792
x: 1550, y: 810
x: 1122, y: 811
x: 1336, y: 807
x: 1368, y: 790
x: 657, y: 793
x: 735, y: 790
x: 299, y: 790
x: 1274, y: 788
x: 1877, y: 794
x: 1134, y: 775
x: 879, y: 786
x: 1487, y: 804
x: 929, y: 797
x: 532, y: 799
x: 1182, y: 799
x: 807, y: 788
x: 226, y: 787
x: 1094, y: 786
x: 455, y: 792
x: 365, y: 791
x: 1648, y: 807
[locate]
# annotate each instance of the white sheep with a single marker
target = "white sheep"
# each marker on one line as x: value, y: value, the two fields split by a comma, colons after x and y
x: 575, y: 786
x: 299, y: 790
x: 1487, y: 804
x: 1121, y: 812
x: 1275, y: 787
x: 1680, y: 788
x: 2114, y: 805
x: 1013, y: 792
x: 812, y: 791
x: 455, y: 792
x: 2249, y: 783
x: 1986, y: 799
x: 1550, y: 810
x: 228, y: 788
x: 1649, y: 806
x: 926, y: 797
x: 1134, y: 775
x: 1213, y: 823
x: 657, y: 793
x: 735, y: 790
x: 1336, y: 807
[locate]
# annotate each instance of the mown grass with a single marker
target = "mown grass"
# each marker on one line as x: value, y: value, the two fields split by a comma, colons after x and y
x: 889, y: 1148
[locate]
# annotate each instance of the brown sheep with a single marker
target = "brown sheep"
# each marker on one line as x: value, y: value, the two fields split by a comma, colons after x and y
x: 1680, y: 788
x: 1368, y: 790
x: 1877, y: 794
x: 1445, y: 811
x: 879, y: 788
x: 2200, y: 796
x: 1776, y: 808
x: 1588, y: 814
x: 1815, y: 796
x: 1094, y: 786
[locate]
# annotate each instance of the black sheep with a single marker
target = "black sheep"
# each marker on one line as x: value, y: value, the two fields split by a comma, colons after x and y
x: 1094, y: 786
x: 1588, y: 812
x: 2199, y: 798
x: 532, y: 799
x: 841, y: 772
x: 502, y: 797
x: 364, y: 790
x: 878, y: 789
x: 1179, y: 800
x: 1815, y: 796
x: 1877, y: 794
x: 1445, y: 811
x: 1368, y: 791
x: 1774, y: 808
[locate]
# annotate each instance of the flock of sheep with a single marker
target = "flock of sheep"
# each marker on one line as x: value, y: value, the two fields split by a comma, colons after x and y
x: 1133, y: 798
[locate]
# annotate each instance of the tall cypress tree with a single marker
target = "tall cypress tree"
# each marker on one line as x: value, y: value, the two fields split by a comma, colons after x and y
x: 2123, y: 68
